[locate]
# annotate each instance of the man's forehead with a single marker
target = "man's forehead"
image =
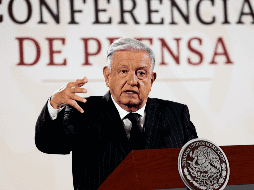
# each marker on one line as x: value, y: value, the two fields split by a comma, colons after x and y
x: 134, y: 56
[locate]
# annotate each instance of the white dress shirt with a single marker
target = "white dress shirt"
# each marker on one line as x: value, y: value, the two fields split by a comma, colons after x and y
x: 52, y: 111
x: 122, y: 112
x: 127, y: 123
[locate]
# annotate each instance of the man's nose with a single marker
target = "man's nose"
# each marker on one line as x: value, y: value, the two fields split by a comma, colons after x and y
x: 132, y: 79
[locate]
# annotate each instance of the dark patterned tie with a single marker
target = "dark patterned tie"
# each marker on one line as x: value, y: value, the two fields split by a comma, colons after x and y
x: 136, y: 140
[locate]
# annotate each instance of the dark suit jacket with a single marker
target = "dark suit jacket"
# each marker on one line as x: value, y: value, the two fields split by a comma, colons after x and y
x: 98, y: 140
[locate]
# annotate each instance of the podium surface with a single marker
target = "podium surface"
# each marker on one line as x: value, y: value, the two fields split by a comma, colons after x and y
x: 157, y: 169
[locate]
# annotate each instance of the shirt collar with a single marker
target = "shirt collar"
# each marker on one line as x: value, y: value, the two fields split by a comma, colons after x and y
x: 122, y: 112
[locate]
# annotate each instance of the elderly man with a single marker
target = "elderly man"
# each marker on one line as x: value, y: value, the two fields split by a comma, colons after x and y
x: 101, y: 131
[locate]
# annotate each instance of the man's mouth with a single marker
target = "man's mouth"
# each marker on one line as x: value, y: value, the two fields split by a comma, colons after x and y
x: 130, y: 92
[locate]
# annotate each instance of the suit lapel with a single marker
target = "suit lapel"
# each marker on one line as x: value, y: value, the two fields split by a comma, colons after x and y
x: 114, y: 126
x: 151, y: 123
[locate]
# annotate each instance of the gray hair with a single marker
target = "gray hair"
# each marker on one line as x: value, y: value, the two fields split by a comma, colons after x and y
x: 128, y: 44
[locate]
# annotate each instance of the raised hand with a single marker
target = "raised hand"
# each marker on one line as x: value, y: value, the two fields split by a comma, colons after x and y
x: 68, y: 96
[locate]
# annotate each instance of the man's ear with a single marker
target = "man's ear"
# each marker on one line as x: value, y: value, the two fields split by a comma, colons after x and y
x: 106, y: 73
x: 153, y: 77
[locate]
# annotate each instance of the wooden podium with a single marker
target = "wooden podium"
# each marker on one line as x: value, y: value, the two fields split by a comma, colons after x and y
x: 157, y: 169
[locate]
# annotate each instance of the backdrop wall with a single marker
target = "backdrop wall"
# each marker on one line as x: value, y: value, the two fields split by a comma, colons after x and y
x: 204, y: 59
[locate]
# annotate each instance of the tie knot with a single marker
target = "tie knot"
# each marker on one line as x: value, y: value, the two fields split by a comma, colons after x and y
x: 133, y: 117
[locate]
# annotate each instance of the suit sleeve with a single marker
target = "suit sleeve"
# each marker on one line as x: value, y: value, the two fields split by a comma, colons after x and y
x: 189, y: 128
x: 51, y: 136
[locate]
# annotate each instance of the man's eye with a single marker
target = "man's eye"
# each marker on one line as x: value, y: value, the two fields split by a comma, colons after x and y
x: 141, y: 73
x: 123, y: 72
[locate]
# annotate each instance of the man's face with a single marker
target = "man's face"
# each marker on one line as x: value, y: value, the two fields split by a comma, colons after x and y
x: 130, y: 79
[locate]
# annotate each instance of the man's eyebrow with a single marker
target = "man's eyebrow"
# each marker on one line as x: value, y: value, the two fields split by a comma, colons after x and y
x: 142, y: 68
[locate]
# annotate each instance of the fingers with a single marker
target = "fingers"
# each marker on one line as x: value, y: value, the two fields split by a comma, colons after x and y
x: 74, y: 104
x: 77, y: 83
x: 74, y: 87
x: 78, y: 90
x: 71, y: 99
x: 77, y: 98
x: 67, y: 95
x: 80, y: 82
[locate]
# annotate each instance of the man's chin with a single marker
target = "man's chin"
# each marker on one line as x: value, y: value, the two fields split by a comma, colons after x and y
x: 134, y: 104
